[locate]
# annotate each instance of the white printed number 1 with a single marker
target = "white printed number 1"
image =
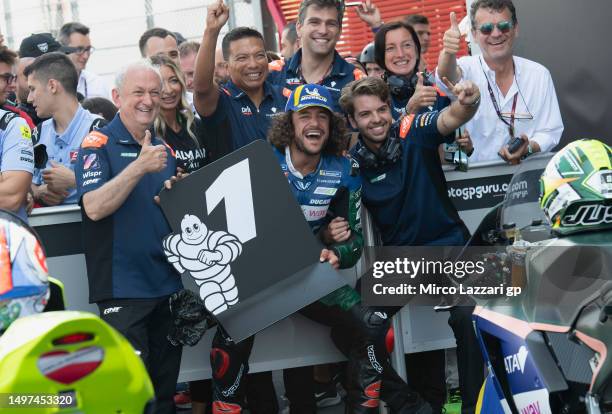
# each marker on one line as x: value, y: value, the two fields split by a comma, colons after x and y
x: 234, y: 185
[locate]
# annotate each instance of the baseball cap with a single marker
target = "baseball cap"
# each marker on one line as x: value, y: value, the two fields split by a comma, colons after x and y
x: 305, y: 96
x: 38, y: 44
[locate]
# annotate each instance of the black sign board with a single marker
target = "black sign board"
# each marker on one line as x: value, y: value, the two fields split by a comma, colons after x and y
x: 241, y: 241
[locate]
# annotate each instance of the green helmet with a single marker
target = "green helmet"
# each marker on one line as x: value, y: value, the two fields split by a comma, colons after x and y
x: 576, y: 187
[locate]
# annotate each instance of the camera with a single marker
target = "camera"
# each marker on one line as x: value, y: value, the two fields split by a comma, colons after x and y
x: 514, y: 145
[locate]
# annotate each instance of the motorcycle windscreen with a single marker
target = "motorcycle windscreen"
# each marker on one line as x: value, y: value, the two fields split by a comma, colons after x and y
x: 566, y: 275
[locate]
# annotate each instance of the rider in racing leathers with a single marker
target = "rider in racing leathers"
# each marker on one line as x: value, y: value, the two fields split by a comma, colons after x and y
x: 308, y: 141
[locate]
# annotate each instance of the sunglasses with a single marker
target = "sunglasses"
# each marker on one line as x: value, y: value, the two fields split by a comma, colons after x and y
x: 503, y: 26
x: 8, y: 77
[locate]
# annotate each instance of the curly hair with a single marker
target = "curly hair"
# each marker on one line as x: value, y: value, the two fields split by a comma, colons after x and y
x: 281, y: 133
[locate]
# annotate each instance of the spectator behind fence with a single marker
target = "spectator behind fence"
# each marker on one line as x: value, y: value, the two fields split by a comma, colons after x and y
x: 120, y: 169
x: 74, y: 37
x: 52, y: 81
x: 519, y: 99
x: 32, y: 47
x: 319, y: 26
x: 247, y: 102
x: 367, y: 58
x: 290, y: 43
x: 178, y: 126
x: 405, y: 192
x: 420, y: 24
x: 100, y: 106
x: 16, y: 152
x: 221, y: 75
x: 187, y: 55
x: 158, y: 41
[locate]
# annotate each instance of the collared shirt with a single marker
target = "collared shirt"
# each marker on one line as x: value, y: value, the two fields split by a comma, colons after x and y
x: 123, y: 251
x: 91, y: 85
x: 238, y: 114
x: 289, y: 76
x: 536, y: 99
x: 408, y: 199
x: 63, y: 148
x: 16, y: 152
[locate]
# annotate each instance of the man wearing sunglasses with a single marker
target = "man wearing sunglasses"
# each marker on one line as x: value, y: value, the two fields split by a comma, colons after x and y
x: 74, y: 37
x: 518, y: 95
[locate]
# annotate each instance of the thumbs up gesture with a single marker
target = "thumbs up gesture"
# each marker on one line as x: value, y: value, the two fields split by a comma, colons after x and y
x: 423, y: 96
x: 452, y: 37
x: 152, y: 158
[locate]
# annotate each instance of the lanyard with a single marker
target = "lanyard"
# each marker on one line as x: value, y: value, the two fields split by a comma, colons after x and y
x: 496, y: 105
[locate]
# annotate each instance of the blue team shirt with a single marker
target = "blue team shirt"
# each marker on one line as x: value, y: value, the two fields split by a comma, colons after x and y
x: 63, y: 148
x: 408, y: 200
x: 290, y: 77
x: 316, y: 191
x: 16, y: 150
x: 124, y: 253
x: 238, y: 114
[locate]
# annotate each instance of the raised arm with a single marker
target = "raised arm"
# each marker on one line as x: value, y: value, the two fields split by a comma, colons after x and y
x: 461, y: 110
x: 206, y: 92
x: 447, y: 62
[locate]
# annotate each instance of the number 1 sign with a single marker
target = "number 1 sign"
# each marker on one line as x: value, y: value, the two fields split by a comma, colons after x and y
x: 240, y: 240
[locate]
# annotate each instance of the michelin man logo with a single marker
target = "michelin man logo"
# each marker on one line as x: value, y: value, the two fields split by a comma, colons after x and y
x: 206, y: 255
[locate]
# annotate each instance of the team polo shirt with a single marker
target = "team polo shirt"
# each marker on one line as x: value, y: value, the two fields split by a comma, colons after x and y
x: 16, y: 151
x: 238, y: 114
x: 289, y: 76
x: 63, y: 148
x: 123, y: 251
x: 408, y: 200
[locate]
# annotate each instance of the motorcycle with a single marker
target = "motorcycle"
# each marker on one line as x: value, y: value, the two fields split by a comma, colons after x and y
x: 546, y: 349
x: 58, y: 361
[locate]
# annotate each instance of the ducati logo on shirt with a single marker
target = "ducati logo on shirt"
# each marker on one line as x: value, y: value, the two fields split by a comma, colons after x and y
x: 246, y: 111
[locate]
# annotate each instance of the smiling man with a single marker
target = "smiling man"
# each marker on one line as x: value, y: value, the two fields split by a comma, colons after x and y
x: 518, y: 95
x: 74, y: 37
x: 247, y: 102
x: 318, y: 27
x: 52, y: 84
x: 119, y: 170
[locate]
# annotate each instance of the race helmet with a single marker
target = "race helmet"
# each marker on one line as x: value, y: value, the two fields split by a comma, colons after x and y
x: 24, y: 277
x: 576, y: 187
x: 367, y: 54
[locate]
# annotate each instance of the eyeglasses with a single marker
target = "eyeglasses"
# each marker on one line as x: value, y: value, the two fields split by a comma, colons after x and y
x: 518, y: 116
x: 80, y: 50
x: 8, y: 77
x: 503, y: 26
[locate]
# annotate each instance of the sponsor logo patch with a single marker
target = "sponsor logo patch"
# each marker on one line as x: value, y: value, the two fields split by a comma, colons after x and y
x: 516, y: 362
x: 330, y: 173
x: 90, y: 161
x: 73, y: 156
x: 246, y: 111
x: 325, y: 191
x: 129, y: 154
x: 95, y: 139
x: 25, y: 132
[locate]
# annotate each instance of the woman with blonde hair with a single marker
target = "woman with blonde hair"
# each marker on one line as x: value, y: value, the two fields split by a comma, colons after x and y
x: 176, y: 123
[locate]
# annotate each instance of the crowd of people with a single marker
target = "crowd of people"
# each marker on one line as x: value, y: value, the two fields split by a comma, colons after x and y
x: 377, y: 122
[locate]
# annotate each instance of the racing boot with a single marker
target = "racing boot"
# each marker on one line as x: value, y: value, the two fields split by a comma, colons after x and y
x: 230, y: 365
